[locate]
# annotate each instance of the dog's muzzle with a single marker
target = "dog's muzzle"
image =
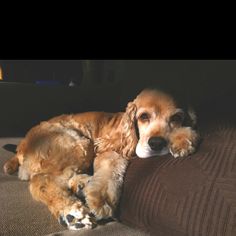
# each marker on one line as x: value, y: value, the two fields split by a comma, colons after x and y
x: 155, y: 146
x: 157, y: 143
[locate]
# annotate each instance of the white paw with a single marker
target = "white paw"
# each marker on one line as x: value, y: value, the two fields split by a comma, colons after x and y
x: 77, y: 219
x: 186, y: 148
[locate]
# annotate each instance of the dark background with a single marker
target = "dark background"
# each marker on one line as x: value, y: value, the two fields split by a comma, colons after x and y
x: 35, y: 90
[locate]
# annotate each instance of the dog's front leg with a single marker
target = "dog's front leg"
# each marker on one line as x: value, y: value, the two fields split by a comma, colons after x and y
x: 103, y: 189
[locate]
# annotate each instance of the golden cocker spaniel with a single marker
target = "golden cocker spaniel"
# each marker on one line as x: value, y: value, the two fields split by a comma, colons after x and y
x: 56, y: 156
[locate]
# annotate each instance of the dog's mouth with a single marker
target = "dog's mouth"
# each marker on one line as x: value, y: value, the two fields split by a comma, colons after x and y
x: 145, y: 151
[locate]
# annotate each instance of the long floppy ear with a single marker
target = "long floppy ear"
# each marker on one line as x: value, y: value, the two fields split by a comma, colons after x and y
x: 128, y: 129
x: 131, y: 110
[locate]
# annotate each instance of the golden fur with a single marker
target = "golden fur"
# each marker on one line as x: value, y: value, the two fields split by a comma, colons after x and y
x: 57, y: 155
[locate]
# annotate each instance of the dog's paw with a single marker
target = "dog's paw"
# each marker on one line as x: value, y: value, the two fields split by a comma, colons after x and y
x: 182, y: 149
x: 102, y: 212
x: 77, y: 182
x: 77, y: 219
x: 98, y: 205
x: 183, y: 142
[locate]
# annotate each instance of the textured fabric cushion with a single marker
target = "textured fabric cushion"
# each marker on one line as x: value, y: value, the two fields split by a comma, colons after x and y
x: 194, y: 196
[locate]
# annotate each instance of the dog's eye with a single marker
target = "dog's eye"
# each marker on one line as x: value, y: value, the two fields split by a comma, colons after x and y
x: 144, y: 116
x: 177, y: 119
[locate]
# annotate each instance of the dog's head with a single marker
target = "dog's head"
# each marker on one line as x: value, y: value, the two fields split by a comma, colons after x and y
x: 156, y: 115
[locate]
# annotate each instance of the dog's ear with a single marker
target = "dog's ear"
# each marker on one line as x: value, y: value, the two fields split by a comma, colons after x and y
x: 128, y: 130
x: 131, y: 110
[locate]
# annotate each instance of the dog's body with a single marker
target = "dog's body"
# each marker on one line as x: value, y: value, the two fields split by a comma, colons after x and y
x: 57, y: 155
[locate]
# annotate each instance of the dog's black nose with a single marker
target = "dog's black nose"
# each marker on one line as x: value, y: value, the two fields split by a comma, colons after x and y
x: 157, y: 143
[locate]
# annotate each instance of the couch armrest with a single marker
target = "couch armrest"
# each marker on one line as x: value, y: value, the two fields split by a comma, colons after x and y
x: 185, y: 196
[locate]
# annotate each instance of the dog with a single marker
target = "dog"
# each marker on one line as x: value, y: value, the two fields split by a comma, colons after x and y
x: 57, y: 155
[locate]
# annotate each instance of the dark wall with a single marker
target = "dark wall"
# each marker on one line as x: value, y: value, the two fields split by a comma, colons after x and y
x: 25, y: 103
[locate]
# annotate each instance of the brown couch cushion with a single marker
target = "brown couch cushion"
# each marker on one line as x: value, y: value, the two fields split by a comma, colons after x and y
x: 185, y: 196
